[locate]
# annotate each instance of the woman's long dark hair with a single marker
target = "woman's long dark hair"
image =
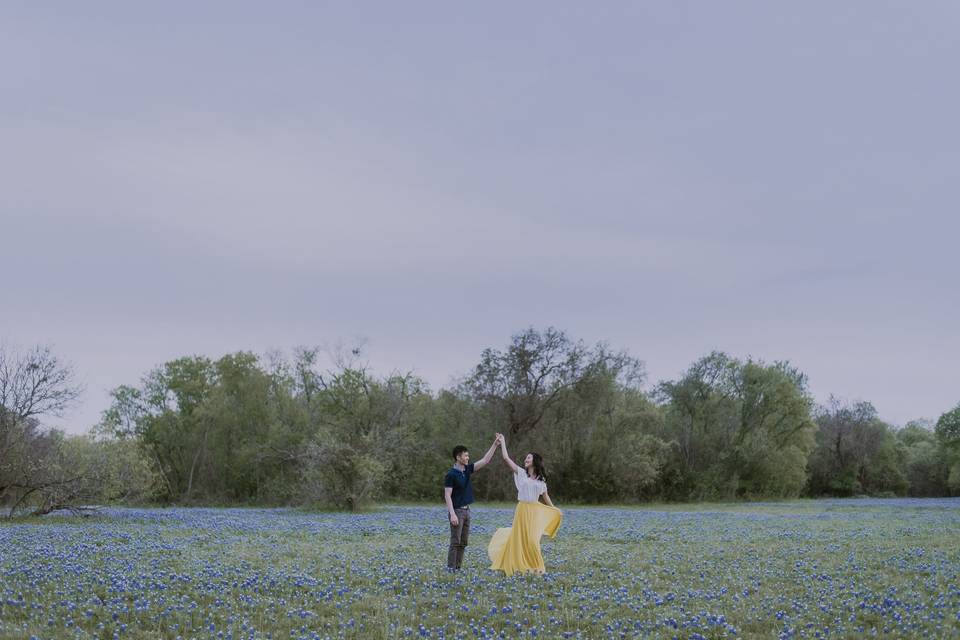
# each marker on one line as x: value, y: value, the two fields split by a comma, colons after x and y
x: 539, y: 470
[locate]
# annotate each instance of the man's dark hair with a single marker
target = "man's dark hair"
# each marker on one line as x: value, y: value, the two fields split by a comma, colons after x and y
x: 457, y: 450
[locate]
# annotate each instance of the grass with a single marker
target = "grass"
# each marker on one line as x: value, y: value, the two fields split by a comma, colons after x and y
x: 837, y: 568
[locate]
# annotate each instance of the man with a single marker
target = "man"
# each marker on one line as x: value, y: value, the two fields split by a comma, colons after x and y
x: 458, y: 494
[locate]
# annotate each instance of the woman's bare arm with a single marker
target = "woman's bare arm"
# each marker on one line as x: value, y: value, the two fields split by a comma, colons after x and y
x: 506, y: 456
x: 546, y: 499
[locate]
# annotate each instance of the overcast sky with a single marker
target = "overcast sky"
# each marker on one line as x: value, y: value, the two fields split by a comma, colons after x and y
x: 769, y: 180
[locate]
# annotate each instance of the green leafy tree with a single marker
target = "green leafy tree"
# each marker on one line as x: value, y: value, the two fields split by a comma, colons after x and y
x: 948, y: 434
x: 163, y: 415
x: 925, y: 466
x: 364, y: 423
x: 737, y: 429
x: 207, y: 426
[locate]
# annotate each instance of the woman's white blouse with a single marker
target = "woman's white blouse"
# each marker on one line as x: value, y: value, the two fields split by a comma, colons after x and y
x: 528, y: 489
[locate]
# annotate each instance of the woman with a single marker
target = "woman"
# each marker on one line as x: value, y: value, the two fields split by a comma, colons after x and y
x: 517, y: 548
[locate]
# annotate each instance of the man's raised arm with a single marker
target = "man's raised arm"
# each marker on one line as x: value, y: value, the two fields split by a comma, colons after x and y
x: 487, y: 457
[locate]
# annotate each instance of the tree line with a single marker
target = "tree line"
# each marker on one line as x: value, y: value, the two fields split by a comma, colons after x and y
x: 323, y: 429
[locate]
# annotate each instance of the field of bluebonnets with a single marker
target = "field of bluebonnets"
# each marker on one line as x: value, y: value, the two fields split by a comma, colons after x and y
x: 798, y: 569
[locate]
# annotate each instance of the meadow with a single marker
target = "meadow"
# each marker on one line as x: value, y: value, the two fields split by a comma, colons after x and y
x: 804, y: 569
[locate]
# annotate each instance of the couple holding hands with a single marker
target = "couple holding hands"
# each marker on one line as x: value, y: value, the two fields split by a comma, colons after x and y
x: 515, y: 548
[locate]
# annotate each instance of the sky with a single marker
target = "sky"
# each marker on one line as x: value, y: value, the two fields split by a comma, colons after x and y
x: 777, y: 182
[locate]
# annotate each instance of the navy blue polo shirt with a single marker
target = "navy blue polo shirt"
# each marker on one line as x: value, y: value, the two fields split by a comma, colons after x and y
x: 462, y: 494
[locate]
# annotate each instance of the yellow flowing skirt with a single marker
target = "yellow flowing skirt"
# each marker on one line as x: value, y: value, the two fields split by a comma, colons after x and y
x: 517, y: 548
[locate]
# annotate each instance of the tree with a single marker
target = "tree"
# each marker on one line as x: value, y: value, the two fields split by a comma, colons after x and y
x: 519, y: 385
x: 232, y: 422
x: 163, y: 415
x: 556, y: 396
x: 856, y: 452
x: 948, y: 434
x: 737, y: 428
x: 365, y: 423
x: 33, y: 383
x: 82, y: 470
x: 620, y: 460
x: 216, y: 430
x: 776, y: 432
x: 925, y: 464
x: 948, y: 428
x: 701, y: 416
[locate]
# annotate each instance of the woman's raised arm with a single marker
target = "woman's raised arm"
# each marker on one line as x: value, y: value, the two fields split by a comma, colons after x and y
x: 506, y: 456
